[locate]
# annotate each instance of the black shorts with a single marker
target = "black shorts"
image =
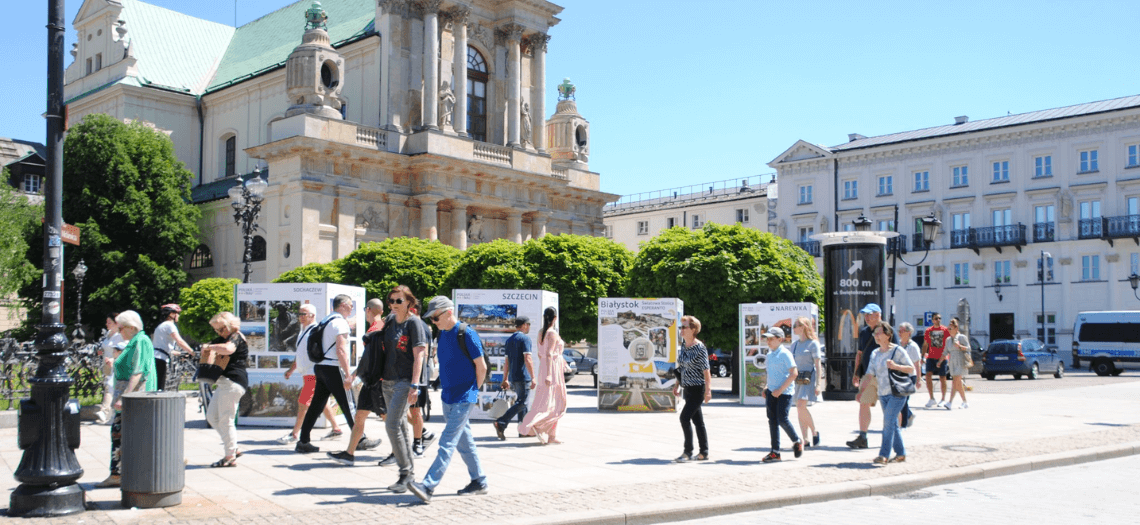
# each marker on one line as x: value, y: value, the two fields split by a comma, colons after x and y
x: 935, y: 369
x: 421, y: 400
x: 371, y: 399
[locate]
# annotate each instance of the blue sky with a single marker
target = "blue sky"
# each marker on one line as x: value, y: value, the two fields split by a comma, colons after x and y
x: 679, y: 92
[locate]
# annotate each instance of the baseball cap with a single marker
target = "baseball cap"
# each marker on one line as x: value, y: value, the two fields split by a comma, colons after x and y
x: 436, y: 305
x: 871, y: 308
x: 775, y: 331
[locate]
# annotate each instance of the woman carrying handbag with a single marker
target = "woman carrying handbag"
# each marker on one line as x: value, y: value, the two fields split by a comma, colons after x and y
x: 695, y: 380
x: 887, y: 359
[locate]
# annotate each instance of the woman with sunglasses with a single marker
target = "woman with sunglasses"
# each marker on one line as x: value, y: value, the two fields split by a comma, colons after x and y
x: 550, y: 398
x: 809, y: 380
x: 230, y: 386
x: 889, y: 357
x: 693, y: 364
x: 134, y: 372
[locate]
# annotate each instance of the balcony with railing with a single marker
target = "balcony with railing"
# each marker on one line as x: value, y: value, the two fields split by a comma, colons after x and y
x: 812, y: 247
x: 1110, y: 228
x: 898, y: 243
x: 1044, y: 232
x: 989, y: 237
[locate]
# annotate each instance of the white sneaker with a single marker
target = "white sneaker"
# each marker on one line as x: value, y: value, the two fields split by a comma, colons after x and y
x: 931, y: 404
x: 941, y: 404
x: 948, y: 406
x: 964, y: 405
x: 287, y: 439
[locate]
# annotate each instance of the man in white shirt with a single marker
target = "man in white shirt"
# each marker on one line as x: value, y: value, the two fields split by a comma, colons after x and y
x: 333, y: 375
x: 308, y: 319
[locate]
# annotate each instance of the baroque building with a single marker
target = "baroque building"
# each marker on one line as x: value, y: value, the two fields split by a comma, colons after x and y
x: 1040, y: 214
x: 369, y: 120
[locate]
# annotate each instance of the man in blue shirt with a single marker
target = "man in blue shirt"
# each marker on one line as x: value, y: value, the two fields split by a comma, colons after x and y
x: 461, y: 375
x: 519, y: 376
x: 777, y: 396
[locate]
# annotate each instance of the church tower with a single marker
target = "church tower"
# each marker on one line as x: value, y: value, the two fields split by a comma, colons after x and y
x: 314, y: 72
x: 568, y: 134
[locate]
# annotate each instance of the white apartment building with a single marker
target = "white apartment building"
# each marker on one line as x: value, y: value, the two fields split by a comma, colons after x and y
x: 1064, y: 181
x: 634, y: 219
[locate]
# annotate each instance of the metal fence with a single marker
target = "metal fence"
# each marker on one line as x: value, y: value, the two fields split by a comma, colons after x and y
x: 709, y: 190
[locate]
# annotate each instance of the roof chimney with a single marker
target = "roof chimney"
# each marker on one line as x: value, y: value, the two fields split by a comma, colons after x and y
x: 961, y: 120
x: 852, y: 137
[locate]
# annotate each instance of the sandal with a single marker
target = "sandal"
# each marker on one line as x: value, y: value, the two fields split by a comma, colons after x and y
x: 238, y: 454
x: 222, y: 463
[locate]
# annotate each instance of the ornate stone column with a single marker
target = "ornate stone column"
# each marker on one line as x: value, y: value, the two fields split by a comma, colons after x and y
x: 538, y: 226
x: 429, y: 216
x: 387, y: 17
x: 459, y: 17
x: 514, y: 226
x: 459, y: 225
x: 538, y: 46
x: 513, y: 33
x: 431, y: 63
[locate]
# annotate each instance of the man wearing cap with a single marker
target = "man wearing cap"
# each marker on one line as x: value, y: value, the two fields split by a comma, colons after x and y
x: 461, y: 372
x: 777, y: 396
x: 868, y: 390
x: 520, y: 374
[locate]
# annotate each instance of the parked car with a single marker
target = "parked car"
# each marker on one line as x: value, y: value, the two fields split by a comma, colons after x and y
x: 1021, y: 357
x: 1108, y: 341
x: 573, y: 367
x: 720, y: 363
x: 586, y: 365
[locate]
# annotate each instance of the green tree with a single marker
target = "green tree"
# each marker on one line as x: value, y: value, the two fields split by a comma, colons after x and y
x: 129, y: 195
x: 581, y: 269
x: 420, y: 264
x: 493, y: 265
x: 313, y: 273
x: 718, y: 267
x: 19, y: 218
x: 201, y: 301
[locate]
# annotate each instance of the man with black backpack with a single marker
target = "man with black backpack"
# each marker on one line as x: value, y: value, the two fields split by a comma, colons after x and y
x: 461, y: 374
x: 328, y: 349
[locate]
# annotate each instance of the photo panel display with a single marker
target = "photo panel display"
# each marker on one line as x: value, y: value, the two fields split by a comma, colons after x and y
x: 756, y: 319
x: 638, y: 341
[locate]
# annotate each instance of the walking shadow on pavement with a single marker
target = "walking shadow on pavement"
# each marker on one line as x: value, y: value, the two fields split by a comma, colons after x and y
x: 642, y: 461
x: 370, y: 496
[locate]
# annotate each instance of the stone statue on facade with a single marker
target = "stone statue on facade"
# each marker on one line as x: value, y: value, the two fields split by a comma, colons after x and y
x: 1066, y: 202
x: 446, y: 105
x: 475, y: 229
x: 525, y: 119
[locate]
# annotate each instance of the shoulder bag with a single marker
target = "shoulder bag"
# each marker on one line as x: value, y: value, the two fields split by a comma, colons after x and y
x: 902, y: 384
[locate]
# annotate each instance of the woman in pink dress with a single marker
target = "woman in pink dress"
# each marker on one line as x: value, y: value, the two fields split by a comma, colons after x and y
x: 550, y: 398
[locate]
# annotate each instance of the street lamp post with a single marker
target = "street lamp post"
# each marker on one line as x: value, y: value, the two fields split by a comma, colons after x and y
x: 931, y: 227
x: 1133, y: 280
x: 997, y: 288
x: 79, y: 272
x: 246, y: 199
x: 48, y: 422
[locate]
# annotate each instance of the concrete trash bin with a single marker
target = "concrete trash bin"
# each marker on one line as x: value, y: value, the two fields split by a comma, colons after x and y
x: 153, y: 465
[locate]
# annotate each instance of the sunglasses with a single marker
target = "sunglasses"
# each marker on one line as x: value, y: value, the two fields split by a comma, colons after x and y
x: 435, y: 318
x: 686, y: 327
x: 396, y: 301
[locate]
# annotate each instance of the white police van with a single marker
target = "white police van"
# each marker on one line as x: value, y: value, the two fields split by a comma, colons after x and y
x: 1108, y: 341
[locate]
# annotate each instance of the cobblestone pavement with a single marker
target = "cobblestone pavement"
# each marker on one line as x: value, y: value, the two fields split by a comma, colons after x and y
x: 1101, y: 492
x: 617, y: 467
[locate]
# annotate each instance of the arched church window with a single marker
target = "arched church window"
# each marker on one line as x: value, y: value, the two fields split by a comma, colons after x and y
x: 231, y: 156
x: 476, y: 95
x: 257, y: 253
x: 202, y: 258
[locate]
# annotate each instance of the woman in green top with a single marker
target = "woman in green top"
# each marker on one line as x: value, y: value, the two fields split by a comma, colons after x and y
x: 134, y: 372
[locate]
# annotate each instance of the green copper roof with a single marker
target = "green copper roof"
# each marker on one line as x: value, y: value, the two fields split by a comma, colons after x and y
x: 265, y: 43
x: 174, y: 51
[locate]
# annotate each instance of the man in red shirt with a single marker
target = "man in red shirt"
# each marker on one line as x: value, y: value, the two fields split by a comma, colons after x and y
x: 933, y: 344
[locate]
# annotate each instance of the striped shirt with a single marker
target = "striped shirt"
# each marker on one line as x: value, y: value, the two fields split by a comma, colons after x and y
x: 693, y: 361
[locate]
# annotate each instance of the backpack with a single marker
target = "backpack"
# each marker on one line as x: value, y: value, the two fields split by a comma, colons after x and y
x: 315, y: 345
x: 461, y: 335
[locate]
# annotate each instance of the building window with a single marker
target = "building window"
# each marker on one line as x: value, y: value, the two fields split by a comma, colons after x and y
x: 202, y: 258
x: 961, y: 274
x: 1001, y: 272
x: 1050, y: 325
x: 922, y: 276
x: 848, y: 227
x: 231, y: 156
x: 32, y: 183
x: 670, y: 222
x: 961, y: 176
x: 1043, y: 166
x: 1048, y: 275
x: 1043, y: 227
x: 608, y: 231
x: 1001, y: 171
x: 476, y: 95
x: 850, y: 189
x: 257, y: 253
x: 98, y: 61
x: 1136, y: 263
x: 886, y: 185
x: 89, y: 70
x: 1088, y: 161
x: 922, y: 181
x: 697, y: 223
x: 742, y: 215
x: 886, y: 226
x: 1133, y: 156
x: 805, y: 194
x: 961, y: 221
x: 1090, y: 268
x: 643, y: 227
x: 806, y: 232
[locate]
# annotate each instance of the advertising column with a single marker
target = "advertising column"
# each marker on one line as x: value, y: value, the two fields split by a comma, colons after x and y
x: 637, y: 352
x: 853, y: 265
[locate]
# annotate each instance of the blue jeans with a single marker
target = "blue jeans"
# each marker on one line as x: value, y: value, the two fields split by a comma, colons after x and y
x: 778, y: 408
x: 892, y: 438
x: 522, y: 390
x: 456, y: 436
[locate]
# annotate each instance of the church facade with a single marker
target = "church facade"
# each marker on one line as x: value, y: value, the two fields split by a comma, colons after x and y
x: 368, y: 119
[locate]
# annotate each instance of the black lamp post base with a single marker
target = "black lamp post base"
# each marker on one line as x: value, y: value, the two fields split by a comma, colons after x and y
x: 45, y: 501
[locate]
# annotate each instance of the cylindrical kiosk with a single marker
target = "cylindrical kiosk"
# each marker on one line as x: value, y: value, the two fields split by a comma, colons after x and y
x: 153, y: 464
x: 853, y: 264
